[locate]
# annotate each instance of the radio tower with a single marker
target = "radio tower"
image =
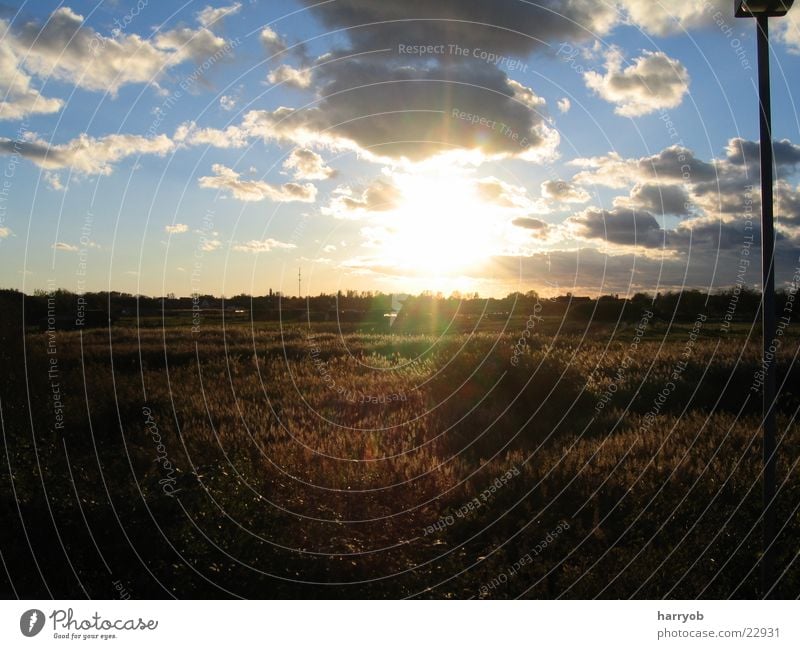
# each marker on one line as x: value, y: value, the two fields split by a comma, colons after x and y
x: 299, y: 284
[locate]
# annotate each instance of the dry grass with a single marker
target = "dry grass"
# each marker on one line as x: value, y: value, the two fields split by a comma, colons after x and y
x: 312, y: 466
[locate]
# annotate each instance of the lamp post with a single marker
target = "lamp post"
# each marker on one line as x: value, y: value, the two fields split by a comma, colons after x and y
x: 761, y: 10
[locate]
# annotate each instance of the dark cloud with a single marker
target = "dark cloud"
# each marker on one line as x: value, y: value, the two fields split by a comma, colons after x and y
x: 787, y: 204
x: 678, y: 163
x: 701, y: 236
x: 563, y: 191
x: 622, y: 226
x: 658, y: 198
x: 746, y: 152
x: 530, y: 223
x: 499, y: 26
x: 416, y: 112
x: 586, y: 271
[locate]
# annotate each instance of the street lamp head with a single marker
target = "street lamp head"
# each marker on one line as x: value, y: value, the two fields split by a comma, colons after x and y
x: 755, y: 8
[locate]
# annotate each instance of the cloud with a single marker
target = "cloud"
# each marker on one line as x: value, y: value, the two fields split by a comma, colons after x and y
x: 662, y: 19
x: 589, y: 271
x: 658, y: 198
x: 177, y: 228
x: 500, y: 26
x: 787, y: 31
x: 629, y: 228
x: 381, y: 195
x: 675, y: 164
x: 64, y: 48
x: 66, y: 247
x: 502, y: 194
x: 563, y: 191
x: 5, y: 232
x: 188, y: 43
x: 265, y: 245
x: 746, y: 152
x: 210, y: 15
x: 227, y: 180
x: 787, y: 200
x: 227, y: 102
x: 85, y: 154
x: 530, y: 223
x: 622, y: 226
x: 370, y: 103
x: 20, y: 98
x: 308, y: 165
x: 564, y: 104
x: 470, y: 109
x: 210, y: 245
x: 651, y: 82
x: 53, y: 181
x: 271, y: 41
x: 189, y: 134
x: 290, y: 76
x: 392, y: 108
x: 676, y: 182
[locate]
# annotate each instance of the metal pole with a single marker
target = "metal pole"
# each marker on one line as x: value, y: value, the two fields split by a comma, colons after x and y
x: 768, y: 306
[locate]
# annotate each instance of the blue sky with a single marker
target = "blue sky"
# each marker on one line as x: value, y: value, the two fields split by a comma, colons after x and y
x: 179, y: 147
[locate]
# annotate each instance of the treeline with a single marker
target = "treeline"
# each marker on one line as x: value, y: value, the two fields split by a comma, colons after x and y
x: 732, y: 305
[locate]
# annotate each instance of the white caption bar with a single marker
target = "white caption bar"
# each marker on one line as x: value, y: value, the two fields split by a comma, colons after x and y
x: 400, y: 625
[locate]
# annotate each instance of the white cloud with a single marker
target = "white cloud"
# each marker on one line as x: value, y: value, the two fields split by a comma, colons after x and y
x: 227, y: 102
x: 19, y: 97
x: 5, y: 232
x: 651, y: 82
x: 562, y: 191
x: 271, y: 41
x: 209, y: 245
x: 663, y: 18
x: 53, y: 180
x: 290, y: 76
x: 66, y: 247
x: 189, y: 134
x: 308, y: 165
x: 188, y: 43
x: 85, y: 154
x: 381, y: 195
x: 787, y: 31
x: 177, y: 228
x: 265, y: 245
x: 62, y: 48
x: 564, y: 104
x: 502, y: 194
x: 227, y: 180
x: 210, y: 15
x: 65, y: 48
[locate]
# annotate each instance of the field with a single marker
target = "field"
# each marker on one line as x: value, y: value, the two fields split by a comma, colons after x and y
x: 524, y: 459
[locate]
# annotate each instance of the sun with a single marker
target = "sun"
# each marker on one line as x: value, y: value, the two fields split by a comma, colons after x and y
x: 440, y: 228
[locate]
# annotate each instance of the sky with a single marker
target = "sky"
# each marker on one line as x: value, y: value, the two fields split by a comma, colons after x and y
x: 460, y: 145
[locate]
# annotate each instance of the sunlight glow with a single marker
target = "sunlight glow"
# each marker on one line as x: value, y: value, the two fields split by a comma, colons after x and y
x: 441, y: 227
